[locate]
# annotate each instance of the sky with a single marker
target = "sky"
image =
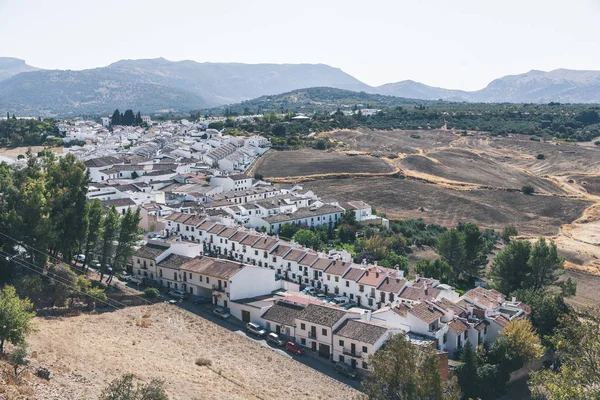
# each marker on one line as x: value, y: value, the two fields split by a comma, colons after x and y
x: 453, y: 44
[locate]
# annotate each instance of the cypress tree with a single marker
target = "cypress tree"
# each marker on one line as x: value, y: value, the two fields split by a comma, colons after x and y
x: 116, y: 118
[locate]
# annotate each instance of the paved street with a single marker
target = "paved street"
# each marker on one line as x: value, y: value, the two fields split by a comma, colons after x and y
x: 309, y: 359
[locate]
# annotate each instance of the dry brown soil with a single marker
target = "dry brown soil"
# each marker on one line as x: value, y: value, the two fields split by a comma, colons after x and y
x: 84, y: 353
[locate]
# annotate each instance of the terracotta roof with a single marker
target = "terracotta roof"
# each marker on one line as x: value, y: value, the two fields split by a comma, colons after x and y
x: 481, y: 325
x: 338, y: 267
x: 449, y: 305
x: 217, y: 229
x: 392, y: 285
x: 501, y: 320
x: 281, y: 250
x: 321, y: 315
x: 373, y: 277
x: 265, y: 243
x: 458, y: 326
x: 239, y: 236
x: 283, y: 313
x: 425, y: 312
x: 308, y: 259
x: 222, y: 269
x: 151, y: 251
x: 227, y: 232
x: 321, y: 263
x: 295, y: 255
x: 361, y: 331
x: 174, y: 261
x: 353, y: 274
x: 489, y: 298
x: 206, y: 225
x: 125, y: 202
x: 250, y: 240
x: 419, y: 293
x: 401, y: 309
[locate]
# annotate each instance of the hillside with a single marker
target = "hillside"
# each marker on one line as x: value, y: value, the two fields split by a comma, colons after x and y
x: 12, y: 66
x: 155, y: 85
x: 315, y: 99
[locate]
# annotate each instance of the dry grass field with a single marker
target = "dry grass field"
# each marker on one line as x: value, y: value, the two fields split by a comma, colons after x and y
x: 306, y: 162
x: 452, y: 177
x: 403, y: 198
x: 84, y: 353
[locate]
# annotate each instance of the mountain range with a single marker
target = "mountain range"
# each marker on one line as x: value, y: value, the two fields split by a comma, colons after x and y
x: 154, y: 85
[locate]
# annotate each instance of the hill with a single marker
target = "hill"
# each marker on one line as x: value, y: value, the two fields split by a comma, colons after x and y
x: 560, y: 85
x: 315, y: 99
x: 12, y: 66
x: 158, y: 84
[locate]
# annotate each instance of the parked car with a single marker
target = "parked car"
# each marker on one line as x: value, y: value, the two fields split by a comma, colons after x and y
x: 309, y: 290
x: 340, y: 301
x: 201, y: 300
x: 350, y: 305
x: 221, y: 313
x: 345, y: 370
x: 136, y: 279
x: 275, y: 339
x: 177, y: 294
x: 255, y: 329
x: 95, y: 264
x: 79, y: 258
x: 294, y: 348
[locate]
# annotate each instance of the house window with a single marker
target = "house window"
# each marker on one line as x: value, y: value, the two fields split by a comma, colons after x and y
x: 224, y: 283
x: 207, y: 279
x: 347, y: 283
x: 302, y: 327
x: 445, y: 337
x: 138, y: 260
x: 337, y: 278
x: 365, y: 350
x: 160, y: 273
x: 320, y: 273
x: 391, y: 297
x: 324, y: 332
x: 303, y: 342
x: 200, y: 278
x: 190, y: 275
x: 328, y: 277
x: 274, y: 259
x: 341, y: 359
x: 370, y: 301
x: 255, y: 252
x: 364, y: 365
x: 300, y: 268
x: 342, y: 343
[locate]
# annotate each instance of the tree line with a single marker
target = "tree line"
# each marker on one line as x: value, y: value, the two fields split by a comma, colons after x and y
x: 27, y: 132
x: 128, y: 118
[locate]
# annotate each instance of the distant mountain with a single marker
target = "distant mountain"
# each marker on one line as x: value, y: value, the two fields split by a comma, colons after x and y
x: 416, y: 90
x: 11, y: 66
x: 559, y: 85
x: 157, y: 84
x: 316, y: 99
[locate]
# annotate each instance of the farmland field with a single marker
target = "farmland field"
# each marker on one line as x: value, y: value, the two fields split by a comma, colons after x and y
x: 306, y: 162
x: 403, y: 198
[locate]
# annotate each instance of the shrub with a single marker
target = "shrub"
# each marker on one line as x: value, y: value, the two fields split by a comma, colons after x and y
x: 597, y: 142
x: 151, y: 293
x: 528, y: 189
x: 203, y: 362
x: 534, y: 138
x: 540, y: 156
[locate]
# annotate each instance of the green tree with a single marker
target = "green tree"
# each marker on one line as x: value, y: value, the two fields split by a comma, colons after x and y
x: 128, y: 118
x: 30, y: 285
x: 308, y: 238
x: 403, y: 371
x: 547, y: 309
x: 438, y: 269
x: 128, y: 233
x: 510, y: 269
x: 578, y: 378
x: 15, y: 317
x: 124, y: 389
x: 62, y: 282
x: 18, y: 358
x: 95, y: 225
x: 468, y: 373
x: 287, y: 230
x: 508, y: 232
x: 110, y: 231
x: 396, y: 261
x: 545, y: 263
x: 116, y: 118
x: 475, y: 251
x: 528, y: 189
x: 451, y: 246
x: 349, y: 218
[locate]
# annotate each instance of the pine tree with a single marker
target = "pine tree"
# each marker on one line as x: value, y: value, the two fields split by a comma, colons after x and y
x: 128, y: 118
x: 116, y: 118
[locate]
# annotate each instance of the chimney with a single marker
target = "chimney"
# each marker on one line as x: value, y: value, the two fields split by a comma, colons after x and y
x: 376, y: 274
x: 514, y: 299
x: 499, y: 299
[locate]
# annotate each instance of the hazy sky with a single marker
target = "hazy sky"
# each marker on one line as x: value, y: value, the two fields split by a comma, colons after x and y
x: 454, y: 44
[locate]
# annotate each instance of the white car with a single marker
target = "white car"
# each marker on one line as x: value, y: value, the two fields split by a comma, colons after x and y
x: 221, y: 313
x: 79, y: 258
x: 309, y: 290
x: 340, y: 301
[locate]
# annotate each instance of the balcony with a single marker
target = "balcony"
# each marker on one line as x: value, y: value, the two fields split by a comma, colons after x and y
x: 349, y: 352
x: 312, y: 335
x: 216, y: 288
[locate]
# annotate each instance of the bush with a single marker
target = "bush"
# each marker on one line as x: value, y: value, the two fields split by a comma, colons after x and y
x: 540, y: 156
x: 597, y: 142
x: 528, y: 189
x: 151, y: 293
x: 203, y: 362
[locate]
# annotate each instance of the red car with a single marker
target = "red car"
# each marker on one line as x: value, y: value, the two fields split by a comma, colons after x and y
x: 294, y: 348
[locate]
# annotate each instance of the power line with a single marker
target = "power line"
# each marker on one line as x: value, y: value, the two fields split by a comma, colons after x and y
x: 62, y: 281
x: 58, y: 260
